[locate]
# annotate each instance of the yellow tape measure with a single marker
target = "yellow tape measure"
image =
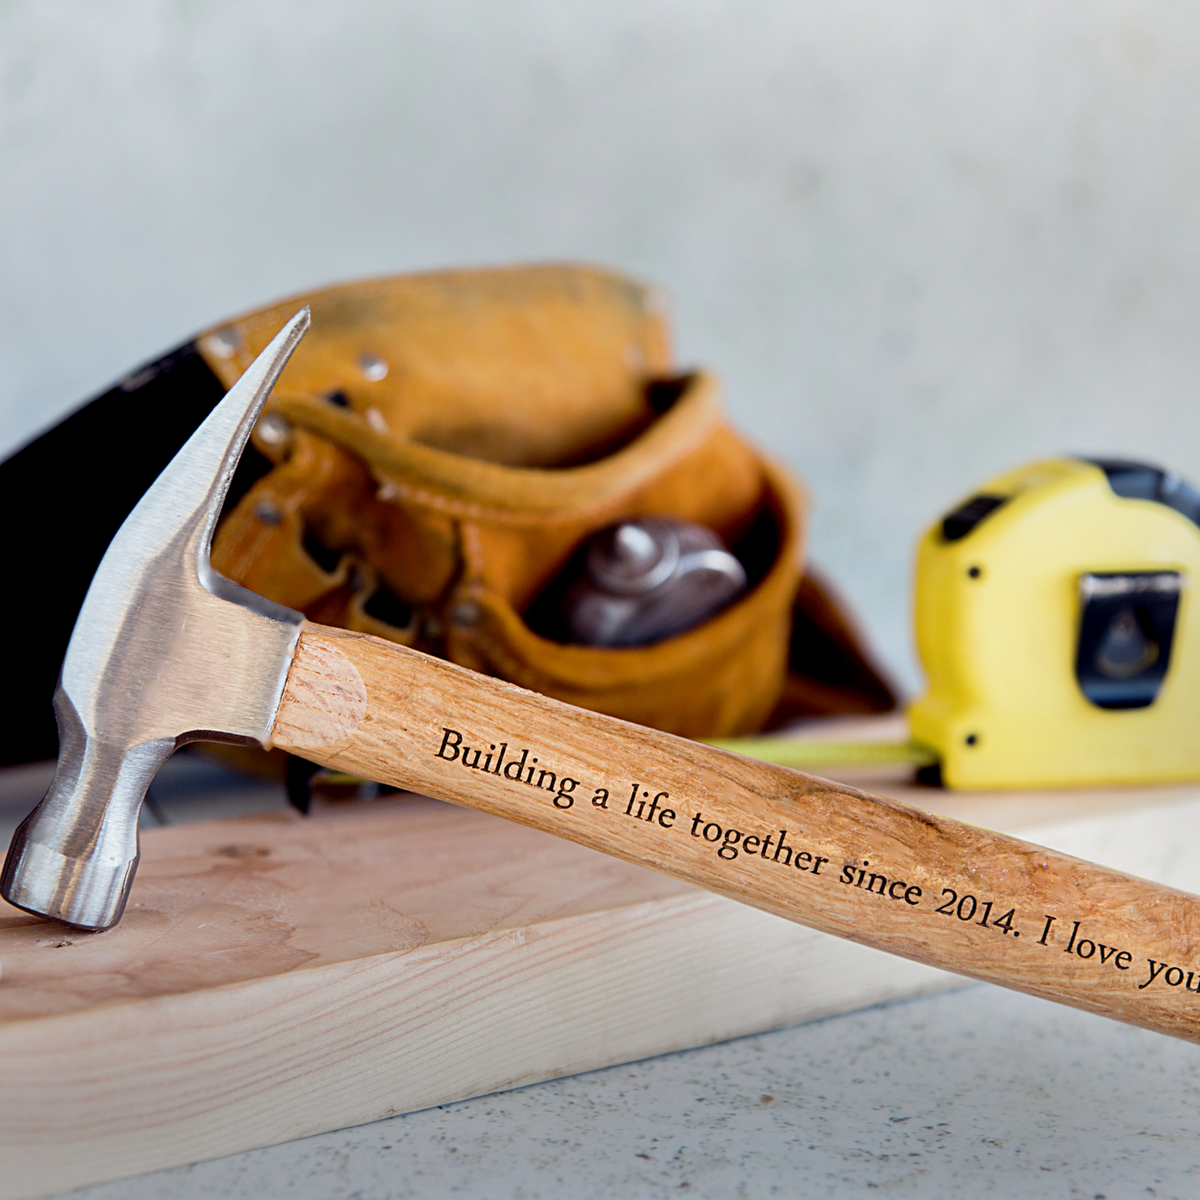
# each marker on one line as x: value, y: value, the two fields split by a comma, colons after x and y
x: 1058, y: 630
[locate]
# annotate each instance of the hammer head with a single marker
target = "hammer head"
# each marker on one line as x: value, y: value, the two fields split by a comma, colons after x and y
x: 164, y: 652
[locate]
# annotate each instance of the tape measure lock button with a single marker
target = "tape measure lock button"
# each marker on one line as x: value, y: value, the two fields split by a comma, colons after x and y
x: 957, y: 524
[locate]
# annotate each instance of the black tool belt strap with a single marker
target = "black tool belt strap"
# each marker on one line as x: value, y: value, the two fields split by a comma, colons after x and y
x: 65, y: 495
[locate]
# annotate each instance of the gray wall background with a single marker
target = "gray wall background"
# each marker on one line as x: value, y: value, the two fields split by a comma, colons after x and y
x: 922, y: 242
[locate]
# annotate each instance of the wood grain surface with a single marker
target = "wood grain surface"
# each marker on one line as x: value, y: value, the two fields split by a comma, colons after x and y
x: 278, y: 976
x: 867, y: 868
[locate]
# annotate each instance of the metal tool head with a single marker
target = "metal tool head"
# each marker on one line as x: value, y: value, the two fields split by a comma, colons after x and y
x: 165, y: 651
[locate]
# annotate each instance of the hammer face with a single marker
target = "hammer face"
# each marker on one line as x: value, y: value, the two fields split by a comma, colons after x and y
x: 164, y: 652
x: 74, y: 856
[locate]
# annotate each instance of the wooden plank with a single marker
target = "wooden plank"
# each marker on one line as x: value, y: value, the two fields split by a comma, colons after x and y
x: 276, y: 976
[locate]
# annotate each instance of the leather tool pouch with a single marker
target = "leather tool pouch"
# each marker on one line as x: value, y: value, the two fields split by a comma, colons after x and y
x: 434, y: 453
x: 442, y: 444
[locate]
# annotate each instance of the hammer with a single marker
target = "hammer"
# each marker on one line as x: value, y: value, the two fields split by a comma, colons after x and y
x: 166, y: 651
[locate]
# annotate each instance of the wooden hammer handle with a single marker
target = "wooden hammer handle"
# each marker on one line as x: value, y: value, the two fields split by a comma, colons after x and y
x: 831, y: 857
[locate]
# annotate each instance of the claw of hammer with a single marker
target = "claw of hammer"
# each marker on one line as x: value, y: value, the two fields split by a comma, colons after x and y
x: 165, y: 651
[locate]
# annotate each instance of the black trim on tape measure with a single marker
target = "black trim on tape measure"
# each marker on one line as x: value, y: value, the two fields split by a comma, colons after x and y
x: 1143, y: 481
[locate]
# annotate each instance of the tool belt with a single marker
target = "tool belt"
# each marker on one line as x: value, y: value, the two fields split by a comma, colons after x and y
x: 431, y: 459
x: 441, y: 446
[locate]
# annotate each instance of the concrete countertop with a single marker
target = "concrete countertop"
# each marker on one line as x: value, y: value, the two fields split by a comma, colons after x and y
x: 974, y: 1093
